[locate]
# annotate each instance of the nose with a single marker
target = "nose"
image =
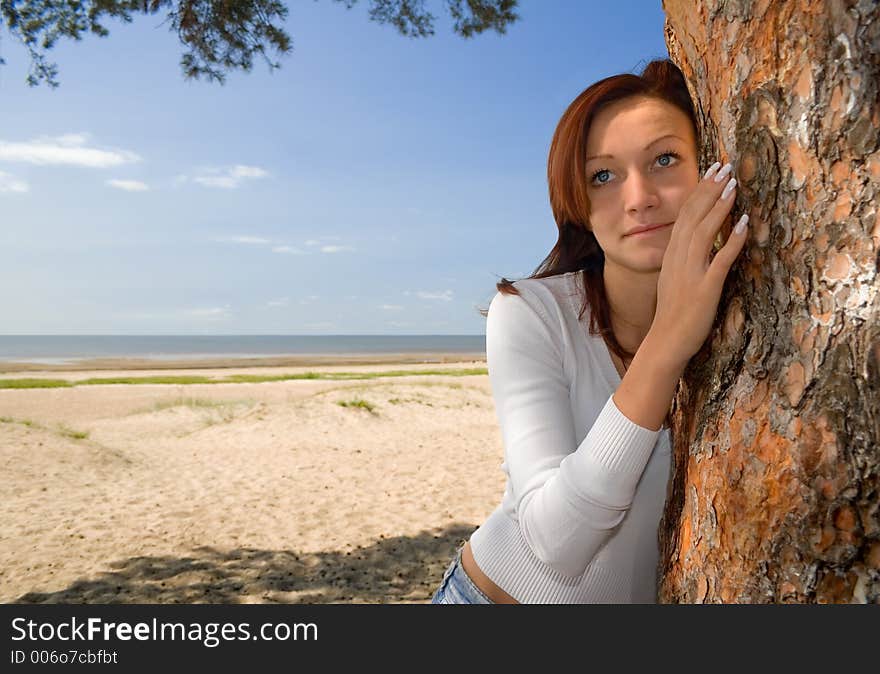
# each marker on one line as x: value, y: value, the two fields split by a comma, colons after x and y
x: 639, y: 193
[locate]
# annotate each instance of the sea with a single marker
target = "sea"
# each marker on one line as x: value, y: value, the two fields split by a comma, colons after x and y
x: 65, y: 349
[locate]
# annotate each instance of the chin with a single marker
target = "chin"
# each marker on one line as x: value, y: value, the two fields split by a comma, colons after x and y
x: 650, y: 263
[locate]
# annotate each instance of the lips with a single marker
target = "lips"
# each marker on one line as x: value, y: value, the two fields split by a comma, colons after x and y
x: 647, y: 228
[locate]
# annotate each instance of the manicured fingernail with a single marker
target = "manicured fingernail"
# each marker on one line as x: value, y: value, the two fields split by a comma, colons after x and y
x: 712, y: 169
x: 722, y: 174
x: 741, y: 224
x: 728, y: 188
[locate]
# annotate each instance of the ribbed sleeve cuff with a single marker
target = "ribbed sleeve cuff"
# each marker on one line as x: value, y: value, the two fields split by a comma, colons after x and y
x: 611, y: 459
x: 622, y: 444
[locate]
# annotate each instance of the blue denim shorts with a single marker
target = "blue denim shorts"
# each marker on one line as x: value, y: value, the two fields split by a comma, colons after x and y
x: 457, y: 587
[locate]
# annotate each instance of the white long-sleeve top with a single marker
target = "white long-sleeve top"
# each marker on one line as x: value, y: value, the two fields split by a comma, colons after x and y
x: 578, y: 521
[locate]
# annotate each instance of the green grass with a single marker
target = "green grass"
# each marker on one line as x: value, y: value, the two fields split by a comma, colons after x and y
x: 357, y: 402
x: 235, y: 379
x: 159, y: 379
x: 225, y: 408
x: 23, y: 422
x: 61, y: 429
x: 71, y: 433
x: 10, y: 420
x: 196, y: 403
x: 34, y: 383
x: 402, y: 401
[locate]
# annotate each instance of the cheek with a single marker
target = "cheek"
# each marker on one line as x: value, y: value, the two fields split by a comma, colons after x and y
x: 679, y: 195
x: 599, y: 202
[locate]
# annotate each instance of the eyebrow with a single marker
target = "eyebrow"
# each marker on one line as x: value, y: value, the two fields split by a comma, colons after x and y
x: 648, y: 146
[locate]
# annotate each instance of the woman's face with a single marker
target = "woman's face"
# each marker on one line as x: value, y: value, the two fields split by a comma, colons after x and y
x: 650, y: 171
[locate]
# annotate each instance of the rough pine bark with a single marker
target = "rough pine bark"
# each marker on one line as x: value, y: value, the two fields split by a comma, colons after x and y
x: 775, y: 493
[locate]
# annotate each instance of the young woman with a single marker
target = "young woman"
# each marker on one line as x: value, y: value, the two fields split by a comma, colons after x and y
x: 581, y: 402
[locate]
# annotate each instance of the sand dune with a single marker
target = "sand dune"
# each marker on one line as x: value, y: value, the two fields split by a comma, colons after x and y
x: 228, y: 493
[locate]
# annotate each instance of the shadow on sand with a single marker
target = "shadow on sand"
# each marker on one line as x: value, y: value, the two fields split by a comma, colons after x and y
x: 405, y: 569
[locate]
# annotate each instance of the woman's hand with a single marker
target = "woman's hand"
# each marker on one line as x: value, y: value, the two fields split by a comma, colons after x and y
x: 689, y: 286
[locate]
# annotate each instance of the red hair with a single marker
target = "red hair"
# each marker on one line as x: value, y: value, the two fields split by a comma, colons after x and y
x: 567, y: 179
x: 577, y: 247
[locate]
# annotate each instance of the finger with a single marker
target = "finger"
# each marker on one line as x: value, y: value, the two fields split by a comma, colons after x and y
x: 708, y: 190
x: 724, y: 258
x: 695, y: 209
x: 703, y: 238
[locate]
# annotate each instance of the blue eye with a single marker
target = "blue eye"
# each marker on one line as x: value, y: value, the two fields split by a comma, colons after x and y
x: 670, y: 153
x: 595, y: 177
x: 659, y: 158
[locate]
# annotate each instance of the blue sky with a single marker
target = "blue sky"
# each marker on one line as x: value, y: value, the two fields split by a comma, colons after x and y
x: 375, y: 184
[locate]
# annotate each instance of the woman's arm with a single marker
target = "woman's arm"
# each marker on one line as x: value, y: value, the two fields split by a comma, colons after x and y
x: 646, y: 390
x: 569, y: 496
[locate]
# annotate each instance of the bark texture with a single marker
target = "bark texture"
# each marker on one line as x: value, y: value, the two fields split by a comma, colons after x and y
x: 775, y: 495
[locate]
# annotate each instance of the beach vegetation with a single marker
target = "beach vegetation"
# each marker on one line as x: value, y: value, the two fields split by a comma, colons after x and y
x: 196, y: 403
x: 357, y: 402
x: 237, y: 378
x: 61, y: 429
x: 156, y: 379
x: 34, y: 383
x: 68, y: 432
x: 23, y: 422
x: 256, y: 378
x: 419, y: 401
x: 217, y: 411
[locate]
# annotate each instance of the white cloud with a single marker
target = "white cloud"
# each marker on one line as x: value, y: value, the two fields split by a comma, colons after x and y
x: 445, y: 295
x: 225, y: 182
x: 280, y: 302
x: 242, y: 239
x: 258, y: 240
x: 9, y: 183
x: 240, y: 171
x: 321, y: 325
x: 287, y: 249
x: 129, y: 185
x: 317, y: 242
x: 72, y: 139
x: 308, y: 298
x: 69, y: 149
x: 390, y: 307
x: 229, y: 177
x: 335, y: 249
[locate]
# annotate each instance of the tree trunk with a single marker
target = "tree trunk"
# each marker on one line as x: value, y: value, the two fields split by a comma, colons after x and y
x: 775, y: 494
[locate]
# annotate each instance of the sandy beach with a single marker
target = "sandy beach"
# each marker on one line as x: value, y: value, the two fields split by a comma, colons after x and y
x: 269, y: 492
